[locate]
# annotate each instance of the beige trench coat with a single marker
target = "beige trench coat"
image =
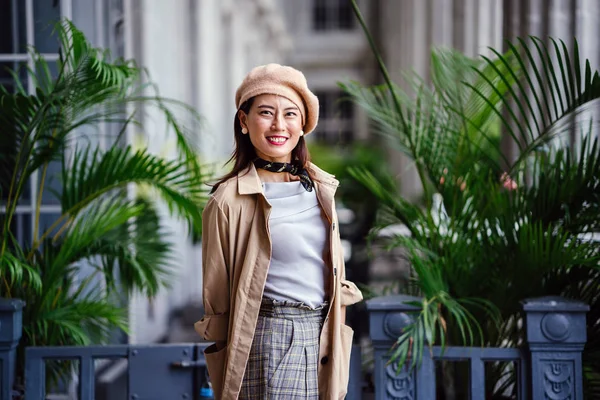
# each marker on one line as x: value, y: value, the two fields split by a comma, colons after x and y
x: 236, y: 253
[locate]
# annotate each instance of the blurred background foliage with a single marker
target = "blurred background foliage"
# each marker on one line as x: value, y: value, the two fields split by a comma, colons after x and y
x: 492, y: 230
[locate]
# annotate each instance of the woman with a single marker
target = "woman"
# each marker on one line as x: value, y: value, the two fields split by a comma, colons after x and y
x: 274, y: 285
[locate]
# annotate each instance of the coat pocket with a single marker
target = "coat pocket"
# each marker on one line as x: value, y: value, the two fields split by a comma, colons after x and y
x: 215, y: 363
x: 344, y: 372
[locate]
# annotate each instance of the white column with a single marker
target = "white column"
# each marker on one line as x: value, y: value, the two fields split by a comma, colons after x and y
x: 588, y: 30
x: 587, y: 34
x: 535, y: 22
x: 465, y: 26
x: 212, y: 87
x: 399, y: 44
x: 498, y: 31
x: 470, y: 27
x: 536, y: 26
x: 130, y: 26
x: 560, y: 27
x: 486, y: 27
x: 231, y: 45
x: 442, y: 22
x: 421, y: 45
x: 561, y: 21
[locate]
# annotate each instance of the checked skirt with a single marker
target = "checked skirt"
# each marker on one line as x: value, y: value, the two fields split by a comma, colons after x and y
x: 285, y: 352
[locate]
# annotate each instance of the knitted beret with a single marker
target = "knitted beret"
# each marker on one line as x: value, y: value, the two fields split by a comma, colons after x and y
x: 283, y: 81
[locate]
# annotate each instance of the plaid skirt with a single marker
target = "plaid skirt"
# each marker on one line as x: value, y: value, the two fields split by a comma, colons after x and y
x: 285, y: 352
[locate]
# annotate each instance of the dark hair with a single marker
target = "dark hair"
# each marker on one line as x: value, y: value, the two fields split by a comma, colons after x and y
x: 244, y: 152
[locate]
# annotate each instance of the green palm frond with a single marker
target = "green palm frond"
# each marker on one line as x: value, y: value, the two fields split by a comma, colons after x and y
x: 94, y: 223
x: 16, y: 272
x: 132, y: 255
x: 94, y: 174
x: 402, y: 209
x: 89, y: 90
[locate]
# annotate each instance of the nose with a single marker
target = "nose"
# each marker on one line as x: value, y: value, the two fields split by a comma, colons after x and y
x: 278, y: 122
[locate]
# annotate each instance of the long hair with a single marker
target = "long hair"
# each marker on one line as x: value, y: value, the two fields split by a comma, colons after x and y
x: 244, y: 152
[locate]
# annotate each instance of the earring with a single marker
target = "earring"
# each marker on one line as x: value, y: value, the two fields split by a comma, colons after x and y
x: 244, y: 131
x: 301, y: 133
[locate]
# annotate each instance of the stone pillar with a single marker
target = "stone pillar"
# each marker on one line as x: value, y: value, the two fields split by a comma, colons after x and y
x: 388, y: 316
x: 556, y: 336
x: 11, y: 318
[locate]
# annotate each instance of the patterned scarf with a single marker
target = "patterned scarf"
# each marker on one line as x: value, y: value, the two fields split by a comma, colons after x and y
x: 293, y: 169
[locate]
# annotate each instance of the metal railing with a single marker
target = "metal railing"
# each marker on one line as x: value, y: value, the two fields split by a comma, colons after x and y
x: 547, y: 366
x: 158, y: 371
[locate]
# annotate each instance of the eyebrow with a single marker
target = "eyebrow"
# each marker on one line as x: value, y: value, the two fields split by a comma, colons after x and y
x: 272, y: 108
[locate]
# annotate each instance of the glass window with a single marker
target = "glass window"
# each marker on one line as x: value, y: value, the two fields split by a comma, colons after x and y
x: 21, y: 225
x: 7, y: 165
x: 336, y: 118
x: 6, y: 77
x: 333, y: 15
x: 47, y: 220
x: 46, y: 13
x: 16, y: 23
x: 13, y: 33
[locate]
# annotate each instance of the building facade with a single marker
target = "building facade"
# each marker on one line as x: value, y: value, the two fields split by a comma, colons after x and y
x: 196, y: 52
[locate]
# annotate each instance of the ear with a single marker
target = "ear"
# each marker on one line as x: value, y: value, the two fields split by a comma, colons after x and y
x: 243, y: 117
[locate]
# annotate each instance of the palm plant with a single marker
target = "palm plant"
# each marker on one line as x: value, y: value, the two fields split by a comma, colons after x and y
x: 492, y: 230
x: 106, y: 242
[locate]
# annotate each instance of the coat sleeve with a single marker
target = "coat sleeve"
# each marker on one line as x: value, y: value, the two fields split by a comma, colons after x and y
x: 215, y: 274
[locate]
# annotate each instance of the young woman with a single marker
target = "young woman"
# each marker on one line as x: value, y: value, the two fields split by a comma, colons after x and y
x: 274, y: 286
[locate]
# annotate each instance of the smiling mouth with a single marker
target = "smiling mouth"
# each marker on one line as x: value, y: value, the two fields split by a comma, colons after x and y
x: 277, y: 139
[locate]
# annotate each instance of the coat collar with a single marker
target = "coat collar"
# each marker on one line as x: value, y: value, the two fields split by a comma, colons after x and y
x: 249, y: 181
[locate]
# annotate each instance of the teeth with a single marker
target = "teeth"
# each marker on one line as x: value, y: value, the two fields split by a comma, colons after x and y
x: 277, y: 139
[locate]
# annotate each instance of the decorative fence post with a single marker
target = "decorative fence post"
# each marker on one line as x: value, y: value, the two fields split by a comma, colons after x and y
x: 556, y: 336
x: 387, y: 317
x: 10, y: 334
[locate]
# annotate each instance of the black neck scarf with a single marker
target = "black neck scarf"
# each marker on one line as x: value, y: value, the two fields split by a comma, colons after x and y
x: 293, y: 169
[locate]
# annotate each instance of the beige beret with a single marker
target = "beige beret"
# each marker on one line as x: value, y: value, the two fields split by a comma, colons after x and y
x: 282, y: 81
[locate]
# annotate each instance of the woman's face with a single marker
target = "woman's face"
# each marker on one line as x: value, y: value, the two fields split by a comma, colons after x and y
x: 274, y: 124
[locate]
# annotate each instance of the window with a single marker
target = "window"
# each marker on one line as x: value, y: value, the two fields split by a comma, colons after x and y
x: 333, y: 15
x: 25, y: 23
x: 336, y: 118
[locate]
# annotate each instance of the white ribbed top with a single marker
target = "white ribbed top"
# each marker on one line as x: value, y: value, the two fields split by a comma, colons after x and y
x: 299, y: 237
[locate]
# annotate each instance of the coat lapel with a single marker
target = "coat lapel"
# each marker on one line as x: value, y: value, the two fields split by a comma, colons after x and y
x: 325, y: 185
x: 249, y: 181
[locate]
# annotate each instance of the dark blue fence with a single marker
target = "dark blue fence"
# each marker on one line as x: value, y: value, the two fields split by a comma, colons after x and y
x: 165, y: 371
x: 547, y: 366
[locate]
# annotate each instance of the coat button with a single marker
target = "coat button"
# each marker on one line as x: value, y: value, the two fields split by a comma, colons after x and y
x: 324, y: 360
x: 334, y: 226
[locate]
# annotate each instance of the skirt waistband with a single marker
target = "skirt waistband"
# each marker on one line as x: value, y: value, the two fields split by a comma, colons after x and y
x: 291, y: 309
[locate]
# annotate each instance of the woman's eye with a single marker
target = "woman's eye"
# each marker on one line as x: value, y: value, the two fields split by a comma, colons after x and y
x: 291, y: 114
x: 265, y: 113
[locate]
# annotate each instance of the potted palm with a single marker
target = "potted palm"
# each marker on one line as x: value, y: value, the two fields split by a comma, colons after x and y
x: 494, y: 230
x: 107, y: 241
